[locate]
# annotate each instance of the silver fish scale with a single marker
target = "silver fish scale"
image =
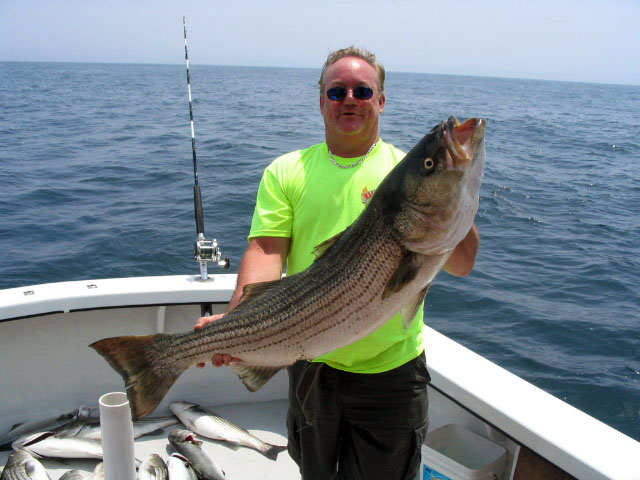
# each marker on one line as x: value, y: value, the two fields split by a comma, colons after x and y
x: 313, y: 306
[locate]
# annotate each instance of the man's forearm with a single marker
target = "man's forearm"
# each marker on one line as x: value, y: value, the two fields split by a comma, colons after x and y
x: 262, y: 262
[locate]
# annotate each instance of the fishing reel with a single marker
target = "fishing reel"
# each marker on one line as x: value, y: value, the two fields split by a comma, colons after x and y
x: 209, y: 251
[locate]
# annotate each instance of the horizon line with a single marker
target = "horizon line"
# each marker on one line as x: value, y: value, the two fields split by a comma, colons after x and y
x: 318, y: 69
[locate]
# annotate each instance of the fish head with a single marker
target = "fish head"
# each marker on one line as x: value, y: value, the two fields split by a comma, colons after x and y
x: 21, y: 464
x: 27, y: 440
x: 184, y: 436
x: 18, y: 457
x: 431, y: 197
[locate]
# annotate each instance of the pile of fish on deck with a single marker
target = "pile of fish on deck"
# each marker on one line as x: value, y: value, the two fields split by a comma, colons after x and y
x: 77, y: 434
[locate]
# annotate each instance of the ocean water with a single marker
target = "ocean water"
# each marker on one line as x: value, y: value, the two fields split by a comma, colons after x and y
x: 96, y: 181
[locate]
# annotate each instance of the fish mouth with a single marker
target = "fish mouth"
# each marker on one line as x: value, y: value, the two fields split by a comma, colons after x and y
x: 462, y: 140
x: 36, y: 437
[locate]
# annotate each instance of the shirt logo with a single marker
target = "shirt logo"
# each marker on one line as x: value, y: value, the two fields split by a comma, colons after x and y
x: 366, y: 195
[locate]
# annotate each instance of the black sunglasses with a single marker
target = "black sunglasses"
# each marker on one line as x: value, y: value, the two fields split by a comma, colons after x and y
x: 339, y: 93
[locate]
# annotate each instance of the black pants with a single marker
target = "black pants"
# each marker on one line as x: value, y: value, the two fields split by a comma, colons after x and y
x: 353, y: 426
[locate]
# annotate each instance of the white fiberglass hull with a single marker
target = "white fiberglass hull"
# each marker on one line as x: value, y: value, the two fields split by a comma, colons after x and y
x: 48, y: 368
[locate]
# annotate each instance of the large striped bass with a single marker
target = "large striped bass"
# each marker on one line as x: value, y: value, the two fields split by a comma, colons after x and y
x: 381, y: 265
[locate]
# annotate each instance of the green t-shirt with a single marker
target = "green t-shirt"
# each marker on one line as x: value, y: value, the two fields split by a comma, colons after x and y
x: 305, y: 197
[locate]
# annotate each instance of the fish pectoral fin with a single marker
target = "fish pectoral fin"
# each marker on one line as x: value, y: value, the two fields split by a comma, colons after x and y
x: 255, y: 377
x: 409, y: 312
x: 253, y: 290
x: 323, y: 247
x: 406, y: 271
x: 14, y: 427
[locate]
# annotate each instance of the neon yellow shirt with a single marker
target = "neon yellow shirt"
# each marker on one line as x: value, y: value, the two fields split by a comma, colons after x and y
x: 305, y: 197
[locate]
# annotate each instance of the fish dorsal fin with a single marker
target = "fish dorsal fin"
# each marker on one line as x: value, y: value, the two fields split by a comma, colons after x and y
x: 322, y: 248
x: 409, y: 312
x: 253, y: 290
x: 406, y: 271
x: 255, y: 377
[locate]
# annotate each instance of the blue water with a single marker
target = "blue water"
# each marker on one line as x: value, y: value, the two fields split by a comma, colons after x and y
x: 96, y: 181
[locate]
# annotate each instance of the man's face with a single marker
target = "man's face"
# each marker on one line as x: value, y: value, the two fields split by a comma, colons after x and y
x: 351, y: 116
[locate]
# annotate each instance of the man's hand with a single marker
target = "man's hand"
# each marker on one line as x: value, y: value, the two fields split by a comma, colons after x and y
x: 218, y: 359
x: 263, y: 261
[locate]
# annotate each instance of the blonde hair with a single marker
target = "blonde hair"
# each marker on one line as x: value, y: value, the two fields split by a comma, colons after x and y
x: 352, y: 51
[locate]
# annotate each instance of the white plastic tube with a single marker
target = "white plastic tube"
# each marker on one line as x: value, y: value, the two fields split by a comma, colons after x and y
x: 117, y: 437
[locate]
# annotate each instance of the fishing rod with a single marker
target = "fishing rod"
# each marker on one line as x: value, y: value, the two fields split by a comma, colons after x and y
x: 205, y: 250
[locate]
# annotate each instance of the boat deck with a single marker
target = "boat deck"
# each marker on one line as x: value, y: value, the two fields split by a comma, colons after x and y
x: 266, y: 420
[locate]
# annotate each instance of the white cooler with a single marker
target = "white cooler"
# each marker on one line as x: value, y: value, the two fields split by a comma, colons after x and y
x: 455, y: 453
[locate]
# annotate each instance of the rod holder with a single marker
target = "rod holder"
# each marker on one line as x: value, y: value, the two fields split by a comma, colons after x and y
x: 117, y: 437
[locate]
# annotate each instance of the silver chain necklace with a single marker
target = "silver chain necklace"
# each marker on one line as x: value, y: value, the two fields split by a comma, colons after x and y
x: 355, y: 164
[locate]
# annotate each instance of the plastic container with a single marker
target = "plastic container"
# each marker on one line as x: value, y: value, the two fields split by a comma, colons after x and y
x: 452, y: 452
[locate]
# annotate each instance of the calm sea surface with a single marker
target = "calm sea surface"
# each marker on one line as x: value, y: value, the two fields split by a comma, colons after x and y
x: 96, y: 181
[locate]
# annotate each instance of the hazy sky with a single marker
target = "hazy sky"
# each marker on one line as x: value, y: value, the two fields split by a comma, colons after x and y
x: 579, y: 40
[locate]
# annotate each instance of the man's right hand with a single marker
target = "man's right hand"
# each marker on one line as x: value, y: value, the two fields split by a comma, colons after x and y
x: 263, y: 261
x: 218, y: 359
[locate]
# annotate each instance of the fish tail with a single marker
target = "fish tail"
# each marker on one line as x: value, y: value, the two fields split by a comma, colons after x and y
x: 272, y: 452
x: 146, y: 378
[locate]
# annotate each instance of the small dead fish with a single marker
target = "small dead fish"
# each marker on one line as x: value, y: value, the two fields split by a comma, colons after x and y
x: 179, y: 468
x: 201, y: 461
x: 89, y: 428
x: 208, y: 424
x: 73, y: 475
x: 26, y: 428
x: 47, y: 445
x: 22, y: 466
x: 153, y: 468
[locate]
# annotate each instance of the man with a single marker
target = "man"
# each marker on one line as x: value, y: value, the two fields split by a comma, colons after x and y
x: 360, y: 411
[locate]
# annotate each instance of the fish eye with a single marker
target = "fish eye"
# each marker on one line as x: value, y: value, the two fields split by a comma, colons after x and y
x: 429, y: 164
